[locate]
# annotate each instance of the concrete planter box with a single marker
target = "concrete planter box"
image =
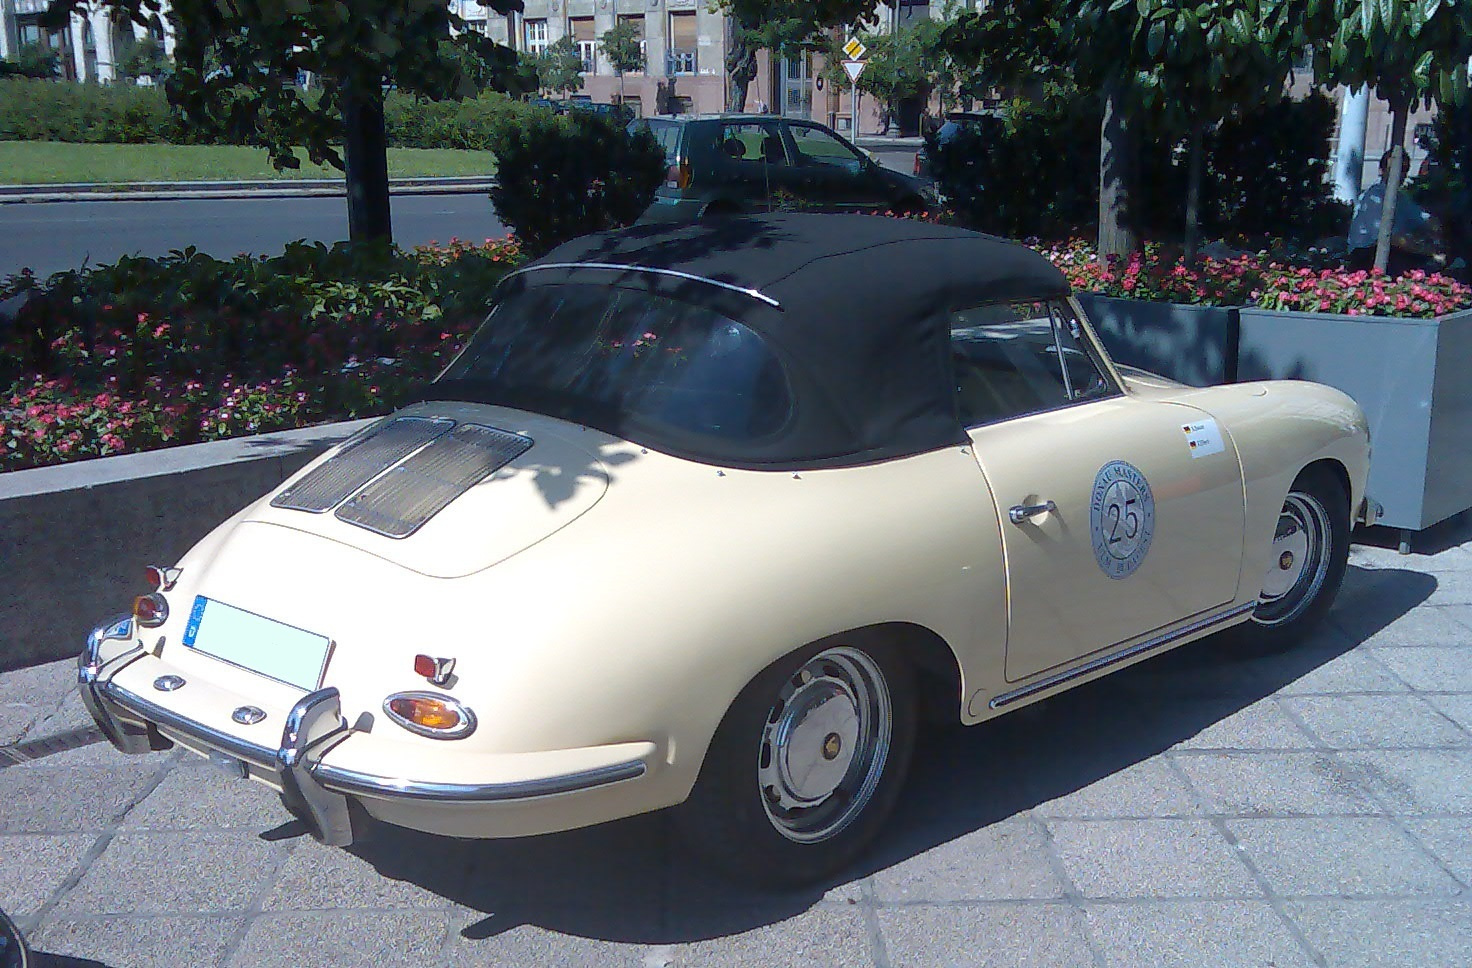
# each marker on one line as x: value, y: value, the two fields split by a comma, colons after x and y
x: 1192, y: 344
x: 1411, y: 376
x: 77, y: 536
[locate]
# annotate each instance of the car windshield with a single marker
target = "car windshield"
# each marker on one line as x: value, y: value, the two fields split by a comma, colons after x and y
x: 604, y: 356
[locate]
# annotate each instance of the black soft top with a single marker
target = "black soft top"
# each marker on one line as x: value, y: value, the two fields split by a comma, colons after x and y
x: 856, y: 306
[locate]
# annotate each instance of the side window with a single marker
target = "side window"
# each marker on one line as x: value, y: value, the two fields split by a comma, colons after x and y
x: 1007, y: 361
x: 817, y: 147
x: 752, y: 143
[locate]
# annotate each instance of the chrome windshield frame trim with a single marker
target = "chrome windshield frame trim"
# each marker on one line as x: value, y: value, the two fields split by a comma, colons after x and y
x: 653, y: 270
x: 364, y: 784
x: 1149, y: 645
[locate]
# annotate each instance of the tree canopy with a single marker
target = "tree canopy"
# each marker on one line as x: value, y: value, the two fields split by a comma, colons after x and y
x: 560, y: 67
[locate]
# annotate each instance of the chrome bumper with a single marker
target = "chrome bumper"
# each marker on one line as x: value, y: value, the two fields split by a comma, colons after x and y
x: 315, y: 792
x: 313, y: 726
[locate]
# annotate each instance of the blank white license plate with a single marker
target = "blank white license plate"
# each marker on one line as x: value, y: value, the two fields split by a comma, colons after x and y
x: 273, y: 649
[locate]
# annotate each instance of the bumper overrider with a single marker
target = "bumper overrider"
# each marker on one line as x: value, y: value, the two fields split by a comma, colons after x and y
x: 317, y: 792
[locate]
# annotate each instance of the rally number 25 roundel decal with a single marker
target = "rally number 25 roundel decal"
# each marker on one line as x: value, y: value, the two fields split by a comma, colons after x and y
x: 1121, y: 518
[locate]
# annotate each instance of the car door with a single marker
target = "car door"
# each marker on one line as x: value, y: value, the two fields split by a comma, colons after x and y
x: 751, y: 164
x: 832, y: 173
x: 1120, y: 515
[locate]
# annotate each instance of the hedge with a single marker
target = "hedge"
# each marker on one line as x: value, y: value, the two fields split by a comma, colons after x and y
x: 32, y: 110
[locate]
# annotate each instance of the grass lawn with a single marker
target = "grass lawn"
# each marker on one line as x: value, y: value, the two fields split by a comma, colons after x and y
x: 55, y: 162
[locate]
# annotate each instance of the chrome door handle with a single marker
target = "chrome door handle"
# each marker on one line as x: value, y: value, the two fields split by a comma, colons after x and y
x: 1019, y: 513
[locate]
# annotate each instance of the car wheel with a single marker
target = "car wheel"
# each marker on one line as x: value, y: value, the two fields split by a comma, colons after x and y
x: 805, y: 766
x: 1310, y: 552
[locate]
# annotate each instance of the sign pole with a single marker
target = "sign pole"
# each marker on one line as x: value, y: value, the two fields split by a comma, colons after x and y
x: 855, y: 50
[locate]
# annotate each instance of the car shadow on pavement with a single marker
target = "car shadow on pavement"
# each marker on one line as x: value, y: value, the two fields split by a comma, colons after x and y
x: 631, y: 881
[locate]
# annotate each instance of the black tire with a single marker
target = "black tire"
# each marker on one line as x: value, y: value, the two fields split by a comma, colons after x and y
x: 815, y: 720
x: 1311, y: 545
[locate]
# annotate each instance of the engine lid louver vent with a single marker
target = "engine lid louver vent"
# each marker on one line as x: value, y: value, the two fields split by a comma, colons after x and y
x: 360, y: 462
x: 399, y: 502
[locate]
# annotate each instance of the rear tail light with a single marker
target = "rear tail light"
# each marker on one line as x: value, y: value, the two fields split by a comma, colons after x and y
x: 678, y: 176
x: 162, y: 579
x: 430, y: 714
x: 150, y: 611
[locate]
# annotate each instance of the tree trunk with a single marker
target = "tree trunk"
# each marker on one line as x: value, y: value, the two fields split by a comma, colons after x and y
x: 1193, y: 188
x: 365, y: 152
x: 1116, y: 177
x: 1400, y: 112
x: 740, y: 65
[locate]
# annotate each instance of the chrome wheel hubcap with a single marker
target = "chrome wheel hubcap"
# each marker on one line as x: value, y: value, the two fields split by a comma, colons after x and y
x: 824, y: 745
x: 1300, y: 560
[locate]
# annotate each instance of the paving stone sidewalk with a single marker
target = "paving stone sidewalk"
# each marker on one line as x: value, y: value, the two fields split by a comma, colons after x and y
x: 1200, y: 809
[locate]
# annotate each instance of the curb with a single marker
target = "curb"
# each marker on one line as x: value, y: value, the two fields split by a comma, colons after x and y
x: 277, y: 188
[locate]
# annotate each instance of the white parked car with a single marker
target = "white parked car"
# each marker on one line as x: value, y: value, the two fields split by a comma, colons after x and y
x: 710, y: 516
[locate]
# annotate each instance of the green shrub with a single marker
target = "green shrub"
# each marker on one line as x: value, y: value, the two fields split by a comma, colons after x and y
x: 1268, y: 174
x: 561, y: 176
x: 1036, y: 174
x: 1446, y: 188
x: 1029, y: 173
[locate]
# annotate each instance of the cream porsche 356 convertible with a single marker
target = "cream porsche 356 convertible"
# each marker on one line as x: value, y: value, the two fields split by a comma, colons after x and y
x: 708, y: 517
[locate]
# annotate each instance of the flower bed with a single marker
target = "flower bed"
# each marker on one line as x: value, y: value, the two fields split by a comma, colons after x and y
x: 151, y: 352
x: 1257, y: 280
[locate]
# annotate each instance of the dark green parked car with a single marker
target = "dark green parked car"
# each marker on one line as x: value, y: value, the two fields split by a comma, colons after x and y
x: 735, y: 163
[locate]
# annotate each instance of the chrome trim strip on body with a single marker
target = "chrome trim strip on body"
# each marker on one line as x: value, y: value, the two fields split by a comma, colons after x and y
x: 350, y: 781
x: 675, y: 273
x: 1058, y: 678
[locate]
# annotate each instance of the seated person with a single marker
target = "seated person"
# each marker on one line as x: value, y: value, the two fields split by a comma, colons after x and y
x: 1413, y: 235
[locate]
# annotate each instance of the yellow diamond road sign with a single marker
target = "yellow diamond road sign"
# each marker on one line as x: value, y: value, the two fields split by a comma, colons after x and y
x: 854, y: 49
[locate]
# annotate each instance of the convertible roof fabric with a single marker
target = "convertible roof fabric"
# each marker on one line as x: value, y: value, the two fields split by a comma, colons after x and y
x: 862, y: 324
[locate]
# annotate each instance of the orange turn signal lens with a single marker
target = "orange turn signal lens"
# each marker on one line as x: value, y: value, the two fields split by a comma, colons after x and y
x: 150, y: 611
x: 428, y: 714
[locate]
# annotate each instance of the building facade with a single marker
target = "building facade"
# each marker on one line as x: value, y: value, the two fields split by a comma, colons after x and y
x: 91, y: 46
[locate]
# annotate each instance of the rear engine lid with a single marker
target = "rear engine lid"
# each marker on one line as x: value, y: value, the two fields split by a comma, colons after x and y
x: 446, y: 489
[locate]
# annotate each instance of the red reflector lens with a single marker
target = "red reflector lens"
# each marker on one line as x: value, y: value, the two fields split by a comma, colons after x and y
x: 424, y: 666
x: 154, y: 575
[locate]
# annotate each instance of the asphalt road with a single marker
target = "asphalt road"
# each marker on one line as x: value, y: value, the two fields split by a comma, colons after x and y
x: 52, y: 236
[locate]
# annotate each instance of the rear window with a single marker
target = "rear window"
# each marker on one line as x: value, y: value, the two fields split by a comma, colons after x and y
x: 667, y: 133
x: 604, y: 356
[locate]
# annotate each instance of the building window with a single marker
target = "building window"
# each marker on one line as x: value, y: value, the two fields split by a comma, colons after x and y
x: 582, y: 35
x: 535, y: 33
x: 637, y: 19
x: 682, y: 59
